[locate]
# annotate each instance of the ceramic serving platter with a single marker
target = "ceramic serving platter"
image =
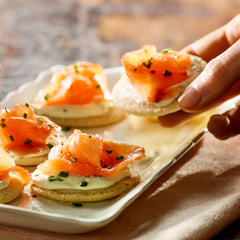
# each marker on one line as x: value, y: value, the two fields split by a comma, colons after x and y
x: 163, y: 147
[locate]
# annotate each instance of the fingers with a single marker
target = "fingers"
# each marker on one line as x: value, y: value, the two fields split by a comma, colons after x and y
x: 213, y: 44
x: 223, y: 46
x: 210, y: 46
x: 215, y: 81
x: 225, y: 125
x: 219, y: 81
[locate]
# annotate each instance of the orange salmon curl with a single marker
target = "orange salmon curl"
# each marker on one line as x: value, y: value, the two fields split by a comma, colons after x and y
x: 21, y: 130
x: 7, y: 166
x: 153, y: 73
x: 78, y: 84
x: 90, y: 155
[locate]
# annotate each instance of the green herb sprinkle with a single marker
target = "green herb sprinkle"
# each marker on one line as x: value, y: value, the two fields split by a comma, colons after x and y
x: 73, y: 159
x: 50, y: 145
x: 63, y: 174
x: 11, y: 138
x: 40, y: 120
x: 119, y: 157
x: 46, y: 97
x: 27, y: 141
x: 84, y: 184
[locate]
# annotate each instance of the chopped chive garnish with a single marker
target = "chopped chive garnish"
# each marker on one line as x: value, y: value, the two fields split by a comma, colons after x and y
x: 65, y: 129
x: 40, y: 120
x: 109, y: 167
x: 63, y: 174
x: 46, y: 97
x: 51, y: 178
x: 166, y: 73
x: 27, y: 141
x: 3, y: 125
x: 98, y: 86
x: 3, y: 119
x: 75, y: 68
x: 54, y: 178
x: 6, y: 109
x: 50, y: 145
x: 166, y: 50
x: 26, y: 104
x: 11, y: 138
x: 51, y: 126
x: 77, y: 204
x: 153, y: 71
x: 73, y: 159
x: 84, y: 184
x: 148, y: 64
x: 135, y: 69
x: 25, y: 115
x: 119, y: 157
x: 109, y: 151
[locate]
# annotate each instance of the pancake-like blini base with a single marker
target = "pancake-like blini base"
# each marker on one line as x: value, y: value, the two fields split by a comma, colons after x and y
x: 117, y: 189
x: 126, y: 97
x: 31, y: 161
x: 36, y: 158
x: 14, y: 189
x: 114, y: 115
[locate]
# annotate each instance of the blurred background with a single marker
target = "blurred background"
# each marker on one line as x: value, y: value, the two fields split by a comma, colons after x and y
x: 34, y: 35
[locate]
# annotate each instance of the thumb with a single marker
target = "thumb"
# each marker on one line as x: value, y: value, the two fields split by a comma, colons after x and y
x: 214, y: 82
x: 226, y: 125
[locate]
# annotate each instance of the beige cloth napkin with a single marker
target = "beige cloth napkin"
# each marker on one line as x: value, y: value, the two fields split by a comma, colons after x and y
x: 195, y: 199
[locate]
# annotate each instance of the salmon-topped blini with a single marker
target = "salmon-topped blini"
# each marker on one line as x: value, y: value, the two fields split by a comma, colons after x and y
x: 77, y: 96
x: 87, y: 169
x: 28, y: 137
x: 153, y: 81
x: 12, y: 178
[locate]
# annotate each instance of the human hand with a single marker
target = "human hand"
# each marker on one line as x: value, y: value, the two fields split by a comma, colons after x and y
x: 219, y: 81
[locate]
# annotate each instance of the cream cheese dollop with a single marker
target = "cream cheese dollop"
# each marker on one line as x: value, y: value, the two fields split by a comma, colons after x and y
x: 74, y: 182
x: 76, y: 111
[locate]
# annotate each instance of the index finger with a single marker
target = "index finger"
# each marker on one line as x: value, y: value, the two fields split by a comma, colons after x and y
x: 216, y: 42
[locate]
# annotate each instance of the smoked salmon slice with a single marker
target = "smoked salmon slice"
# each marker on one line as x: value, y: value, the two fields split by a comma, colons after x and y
x: 154, y: 74
x: 23, y: 131
x: 78, y: 84
x: 90, y: 155
x: 7, y: 165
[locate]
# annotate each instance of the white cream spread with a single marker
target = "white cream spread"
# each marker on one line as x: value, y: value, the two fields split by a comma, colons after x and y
x: 72, y: 111
x: 74, y: 182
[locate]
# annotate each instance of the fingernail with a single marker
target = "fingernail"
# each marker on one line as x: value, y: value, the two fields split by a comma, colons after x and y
x: 190, y: 99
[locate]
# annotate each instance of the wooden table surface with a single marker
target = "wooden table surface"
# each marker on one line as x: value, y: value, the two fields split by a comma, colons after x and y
x: 35, y: 35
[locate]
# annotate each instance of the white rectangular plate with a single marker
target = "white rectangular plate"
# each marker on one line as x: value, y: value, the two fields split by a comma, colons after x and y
x: 163, y: 146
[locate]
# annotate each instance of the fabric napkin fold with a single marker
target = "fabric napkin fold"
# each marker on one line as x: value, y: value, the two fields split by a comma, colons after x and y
x: 195, y: 199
